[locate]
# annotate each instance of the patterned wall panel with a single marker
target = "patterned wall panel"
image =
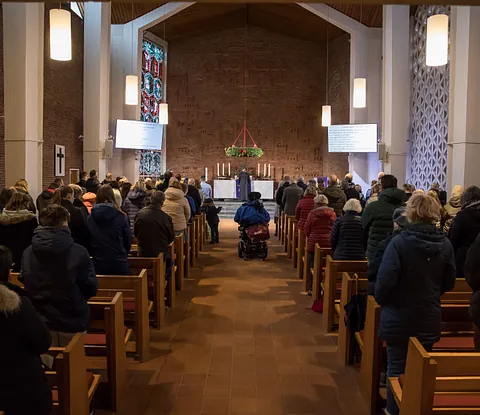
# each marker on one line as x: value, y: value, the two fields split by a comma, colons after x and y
x: 427, y: 152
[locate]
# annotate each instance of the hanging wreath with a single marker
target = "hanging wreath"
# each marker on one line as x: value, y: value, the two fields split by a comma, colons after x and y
x: 244, y: 152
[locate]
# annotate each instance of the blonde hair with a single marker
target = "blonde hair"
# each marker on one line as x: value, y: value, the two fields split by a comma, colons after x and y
x: 321, y: 200
x: 22, y: 184
x: 310, y: 190
x: 140, y: 185
x: 175, y: 184
x: 353, y: 205
x: 434, y: 195
x: 423, y: 208
x: 457, y: 191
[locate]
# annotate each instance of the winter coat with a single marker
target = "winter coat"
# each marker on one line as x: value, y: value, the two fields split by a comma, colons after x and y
x: 347, y: 239
x: 377, y: 218
x: 451, y: 209
x: 77, y: 224
x: 195, y: 195
x: 336, y: 198
x: 251, y: 213
x: 82, y: 183
x: 319, y: 227
x: 351, y: 192
x: 464, y: 231
x: 211, y: 213
x: 374, y: 264
x: 89, y: 201
x: 133, y: 203
x: 92, y: 185
x: 59, y: 278
x: 24, y: 388
x: 79, y: 204
x: 374, y: 198
x: 291, y: 196
x: 279, y: 196
x: 31, y: 205
x: 177, y: 207
x: 111, y: 239
x: 16, y: 233
x: 302, y: 185
x: 472, y: 276
x: 45, y: 199
x: 304, y: 207
x: 154, y: 231
x: 417, y: 268
x: 193, y: 208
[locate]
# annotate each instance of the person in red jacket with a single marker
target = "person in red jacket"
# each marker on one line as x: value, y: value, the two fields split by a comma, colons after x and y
x: 305, y: 206
x: 319, y: 226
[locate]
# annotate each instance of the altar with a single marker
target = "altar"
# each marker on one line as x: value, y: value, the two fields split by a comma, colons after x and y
x: 229, y: 189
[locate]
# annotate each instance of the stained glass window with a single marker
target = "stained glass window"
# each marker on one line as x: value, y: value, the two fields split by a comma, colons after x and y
x: 152, y: 95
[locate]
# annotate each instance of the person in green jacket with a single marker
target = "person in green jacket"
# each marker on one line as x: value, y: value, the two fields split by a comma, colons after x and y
x: 377, y: 217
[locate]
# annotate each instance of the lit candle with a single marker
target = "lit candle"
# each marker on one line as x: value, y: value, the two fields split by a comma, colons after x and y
x: 264, y: 169
x: 206, y: 173
x: 269, y: 170
x: 228, y: 169
x: 218, y: 169
x: 223, y: 169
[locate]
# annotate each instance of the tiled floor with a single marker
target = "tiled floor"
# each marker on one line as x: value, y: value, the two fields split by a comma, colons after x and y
x: 242, y: 340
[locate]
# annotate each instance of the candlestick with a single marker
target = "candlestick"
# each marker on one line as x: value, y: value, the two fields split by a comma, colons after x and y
x: 223, y: 169
x: 218, y: 169
x: 228, y: 169
x: 206, y: 173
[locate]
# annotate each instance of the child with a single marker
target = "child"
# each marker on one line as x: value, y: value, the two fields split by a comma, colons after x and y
x: 211, y: 212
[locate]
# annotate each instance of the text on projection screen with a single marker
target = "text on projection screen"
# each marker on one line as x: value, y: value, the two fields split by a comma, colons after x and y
x: 352, y: 138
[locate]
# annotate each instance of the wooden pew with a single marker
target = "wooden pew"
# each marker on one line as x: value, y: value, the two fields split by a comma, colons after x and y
x: 73, y: 387
x: 187, y: 251
x: 173, y: 275
x: 179, y: 262
x: 293, y: 243
x: 332, y: 287
x: 438, y: 382
x: 196, y: 227
x: 193, y: 245
x: 291, y: 231
x: 301, y: 253
x: 203, y: 231
x: 318, y: 270
x: 105, y: 343
x: 136, y: 306
x: 156, y: 283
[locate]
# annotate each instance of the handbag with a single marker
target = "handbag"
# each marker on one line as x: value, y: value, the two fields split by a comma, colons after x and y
x: 258, y: 232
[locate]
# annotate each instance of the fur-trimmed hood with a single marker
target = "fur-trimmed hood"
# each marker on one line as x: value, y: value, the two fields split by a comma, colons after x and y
x: 9, y: 300
x: 11, y: 217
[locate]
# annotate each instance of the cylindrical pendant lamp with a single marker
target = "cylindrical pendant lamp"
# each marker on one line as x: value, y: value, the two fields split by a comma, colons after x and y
x: 326, y: 116
x: 359, y: 93
x: 437, y: 40
x: 131, y: 90
x: 163, y: 113
x: 60, y: 35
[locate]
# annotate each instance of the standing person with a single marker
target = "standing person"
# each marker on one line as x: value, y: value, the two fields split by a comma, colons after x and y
x: 195, y: 195
x: 125, y: 188
x: 408, y: 189
x: 177, y: 207
x: 211, y: 214
x: 377, y: 217
x: 442, y: 194
x: 465, y: 226
x: 77, y: 199
x: 375, y: 190
x: 22, y: 187
x: 191, y: 203
x: 59, y: 276
x: 291, y: 196
x: 347, y: 241
x: 349, y: 187
x: 336, y: 197
x: 17, y: 227
x: 149, y: 185
x: 305, y: 206
x: 135, y: 201
x: 244, y: 183
x: 280, y: 190
x: 108, y: 178
x: 92, y: 185
x: 301, y: 183
x: 417, y: 268
x: 5, y: 196
x: 89, y: 201
x: 24, y: 338
x: 45, y: 198
x: 472, y: 276
x: 77, y: 221
x: 452, y: 207
x: 207, y: 189
x: 111, y: 236
x: 369, y: 191
x: 83, y: 179
x: 198, y: 186
x: 277, y: 208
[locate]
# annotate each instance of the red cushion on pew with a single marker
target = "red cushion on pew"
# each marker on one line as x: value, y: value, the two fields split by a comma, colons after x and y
x: 89, y: 382
x: 97, y: 339
x: 455, y: 343
x: 129, y: 305
x: 452, y: 401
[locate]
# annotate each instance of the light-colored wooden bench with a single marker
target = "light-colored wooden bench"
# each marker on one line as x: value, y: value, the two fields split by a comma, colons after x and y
x: 187, y: 251
x: 196, y: 228
x: 179, y: 262
x: 281, y: 227
x: 291, y: 237
x: 300, y: 252
x: 317, y: 273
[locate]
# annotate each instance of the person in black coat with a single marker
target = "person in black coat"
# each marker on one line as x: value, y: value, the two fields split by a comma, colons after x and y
x: 83, y: 179
x: 211, y: 215
x: 58, y: 274
x: 301, y: 183
x: 45, y: 198
x: 347, y: 241
x: 92, y: 184
x: 417, y: 268
x: 194, y: 194
x: 472, y: 276
x: 349, y: 189
x: 154, y: 228
x: 111, y: 236
x: 465, y: 226
x: 24, y: 388
x: 134, y: 202
x: 244, y: 184
x: 280, y: 190
x: 77, y: 221
x: 77, y: 201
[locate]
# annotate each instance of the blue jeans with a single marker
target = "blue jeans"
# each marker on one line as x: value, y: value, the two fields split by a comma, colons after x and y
x: 397, y: 360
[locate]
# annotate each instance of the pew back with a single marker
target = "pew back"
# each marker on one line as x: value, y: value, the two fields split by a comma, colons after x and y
x: 320, y: 259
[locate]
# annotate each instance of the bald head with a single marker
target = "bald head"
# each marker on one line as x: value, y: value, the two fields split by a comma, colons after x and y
x: 380, y: 175
x: 332, y: 180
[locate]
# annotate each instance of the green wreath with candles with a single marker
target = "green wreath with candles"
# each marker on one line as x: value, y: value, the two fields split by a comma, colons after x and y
x: 244, y: 151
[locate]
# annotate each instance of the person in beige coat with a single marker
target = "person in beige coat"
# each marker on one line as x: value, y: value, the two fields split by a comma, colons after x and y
x: 176, y: 206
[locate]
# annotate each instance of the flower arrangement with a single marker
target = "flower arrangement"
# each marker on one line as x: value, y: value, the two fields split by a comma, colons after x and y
x: 234, y: 151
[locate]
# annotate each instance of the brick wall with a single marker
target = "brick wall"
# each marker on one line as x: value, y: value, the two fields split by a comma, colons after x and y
x: 285, y: 93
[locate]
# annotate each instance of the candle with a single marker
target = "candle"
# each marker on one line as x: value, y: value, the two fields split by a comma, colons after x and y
x: 258, y: 170
x: 206, y: 173
x: 269, y: 170
x: 264, y: 169
x: 218, y: 169
x: 228, y: 169
x: 223, y: 169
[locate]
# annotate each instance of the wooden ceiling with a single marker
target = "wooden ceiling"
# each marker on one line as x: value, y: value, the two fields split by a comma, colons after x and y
x: 369, y: 15
x: 288, y: 19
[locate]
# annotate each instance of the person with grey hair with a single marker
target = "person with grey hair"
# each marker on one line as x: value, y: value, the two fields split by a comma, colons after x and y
x: 153, y: 228
x: 77, y: 198
x: 301, y: 183
x: 277, y: 207
x: 291, y: 196
x: 280, y: 190
x: 336, y: 196
x: 348, y: 242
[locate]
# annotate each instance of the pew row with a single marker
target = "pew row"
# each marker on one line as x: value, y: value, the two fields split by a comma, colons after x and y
x: 316, y: 274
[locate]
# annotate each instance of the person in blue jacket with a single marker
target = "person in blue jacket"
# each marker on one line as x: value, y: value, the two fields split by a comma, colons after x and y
x: 252, y: 212
x: 191, y: 202
x: 417, y: 268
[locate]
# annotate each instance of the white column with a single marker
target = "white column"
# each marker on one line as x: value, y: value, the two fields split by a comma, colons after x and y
x: 96, y: 83
x: 464, y: 119
x: 23, y: 57
x: 396, y: 88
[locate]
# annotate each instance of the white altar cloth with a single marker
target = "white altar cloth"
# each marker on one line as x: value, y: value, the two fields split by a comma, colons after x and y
x: 265, y: 187
x: 224, y: 189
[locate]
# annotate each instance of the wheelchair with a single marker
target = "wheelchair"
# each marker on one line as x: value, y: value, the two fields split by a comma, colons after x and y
x: 251, y: 249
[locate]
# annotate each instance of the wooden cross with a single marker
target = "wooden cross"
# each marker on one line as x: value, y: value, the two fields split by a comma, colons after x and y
x: 60, y: 156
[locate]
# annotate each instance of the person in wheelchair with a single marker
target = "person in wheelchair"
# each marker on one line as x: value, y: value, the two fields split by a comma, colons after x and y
x: 252, y: 212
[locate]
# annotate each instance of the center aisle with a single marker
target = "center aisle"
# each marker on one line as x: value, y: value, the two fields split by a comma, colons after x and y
x: 241, y: 340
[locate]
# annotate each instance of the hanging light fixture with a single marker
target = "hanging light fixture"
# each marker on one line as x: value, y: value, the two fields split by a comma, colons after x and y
x: 163, y: 108
x: 60, y: 35
x: 327, y: 109
x: 437, y: 40
x: 360, y: 85
x: 131, y: 81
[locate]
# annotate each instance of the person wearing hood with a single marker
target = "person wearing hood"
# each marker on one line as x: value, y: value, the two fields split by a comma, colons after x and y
x: 24, y: 338
x: 336, y: 197
x: 211, y: 215
x: 466, y: 226
x: 22, y: 187
x: 252, y: 212
x: 291, y: 196
x: 92, y: 185
x: 305, y: 206
x: 111, y: 235
x: 135, y: 201
x: 195, y: 195
x: 45, y: 198
x: 17, y: 226
x: 177, y: 207
x: 418, y: 267
x: 452, y: 207
x: 377, y: 216
x: 59, y: 277
x: 347, y: 239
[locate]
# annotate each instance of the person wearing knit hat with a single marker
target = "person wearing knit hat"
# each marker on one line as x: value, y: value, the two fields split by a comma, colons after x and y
x: 399, y: 217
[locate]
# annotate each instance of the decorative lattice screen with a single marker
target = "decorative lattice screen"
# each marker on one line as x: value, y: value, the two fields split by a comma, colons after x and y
x: 427, y: 153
